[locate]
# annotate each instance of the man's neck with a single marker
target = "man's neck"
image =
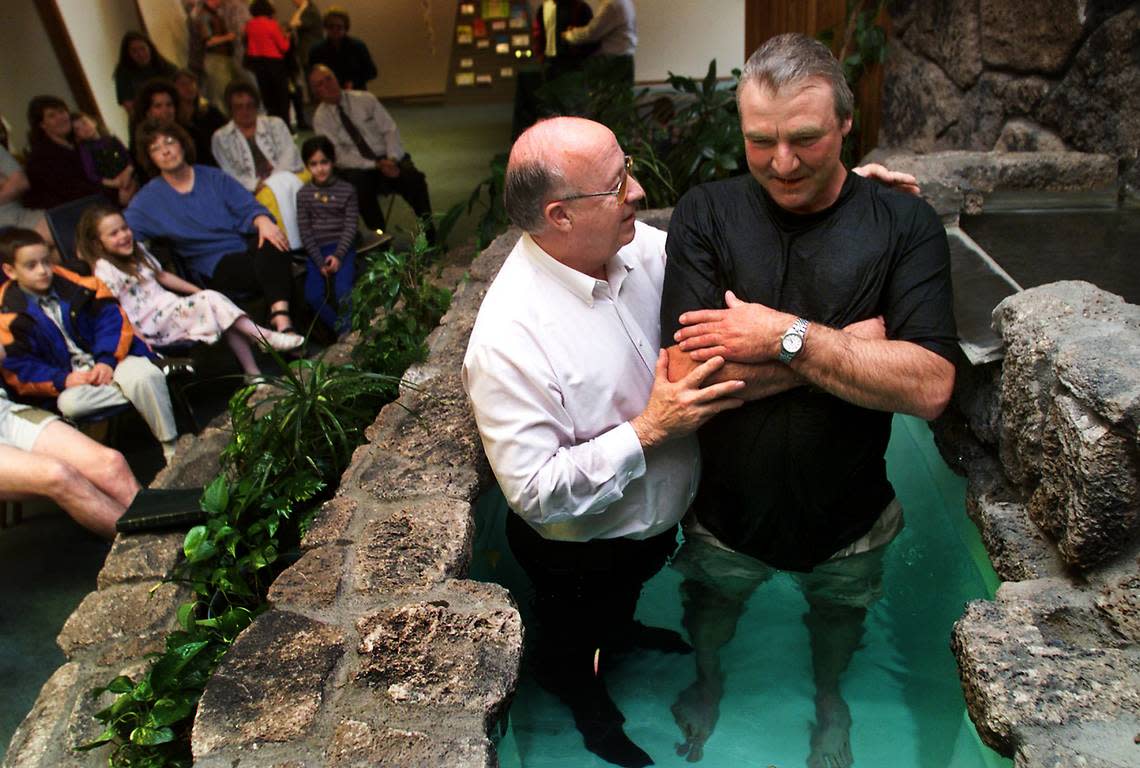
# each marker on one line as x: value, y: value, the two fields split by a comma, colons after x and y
x: 831, y: 193
x: 565, y: 253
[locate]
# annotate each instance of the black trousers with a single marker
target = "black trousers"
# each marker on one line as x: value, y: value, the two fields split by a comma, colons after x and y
x: 369, y: 183
x: 263, y: 271
x: 273, y: 83
x: 585, y: 592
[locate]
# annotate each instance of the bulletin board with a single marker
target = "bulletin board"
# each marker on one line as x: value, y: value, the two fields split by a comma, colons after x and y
x: 491, y: 46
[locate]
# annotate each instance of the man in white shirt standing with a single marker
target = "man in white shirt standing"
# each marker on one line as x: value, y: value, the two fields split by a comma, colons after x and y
x: 369, y: 153
x: 614, y: 29
x: 590, y: 442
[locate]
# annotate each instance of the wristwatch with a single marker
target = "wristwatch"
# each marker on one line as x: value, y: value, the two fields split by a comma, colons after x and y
x: 793, y: 340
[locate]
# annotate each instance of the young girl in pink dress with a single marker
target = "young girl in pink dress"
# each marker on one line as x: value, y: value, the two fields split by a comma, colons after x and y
x: 185, y: 312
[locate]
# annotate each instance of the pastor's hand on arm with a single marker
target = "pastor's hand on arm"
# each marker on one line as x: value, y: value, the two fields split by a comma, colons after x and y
x: 678, y: 408
x: 760, y: 379
x: 903, y: 182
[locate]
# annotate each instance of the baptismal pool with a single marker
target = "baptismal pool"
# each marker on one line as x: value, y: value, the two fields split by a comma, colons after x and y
x: 901, y: 687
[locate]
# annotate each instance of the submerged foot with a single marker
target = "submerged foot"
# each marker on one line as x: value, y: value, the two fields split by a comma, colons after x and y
x: 596, y: 715
x: 831, y: 734
x: 696, y: 711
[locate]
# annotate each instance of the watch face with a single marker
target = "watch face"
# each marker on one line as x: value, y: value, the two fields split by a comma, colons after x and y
x: 792, y: 343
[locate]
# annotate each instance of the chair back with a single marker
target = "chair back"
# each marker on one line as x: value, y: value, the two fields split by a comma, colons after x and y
x: 63, y: 220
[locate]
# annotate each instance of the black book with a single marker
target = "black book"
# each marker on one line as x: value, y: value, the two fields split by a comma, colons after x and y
x: 156, y: 509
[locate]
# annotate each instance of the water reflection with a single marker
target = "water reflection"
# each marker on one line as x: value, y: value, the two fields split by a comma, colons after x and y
x: 900, y: 689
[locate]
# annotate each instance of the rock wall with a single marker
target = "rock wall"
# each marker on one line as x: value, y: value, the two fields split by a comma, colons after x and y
x: 1005, y: 74
x: 375, y: 649
x: 1050, y: 441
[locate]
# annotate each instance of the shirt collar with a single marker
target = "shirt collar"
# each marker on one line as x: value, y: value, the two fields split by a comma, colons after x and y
x: 579, y: 284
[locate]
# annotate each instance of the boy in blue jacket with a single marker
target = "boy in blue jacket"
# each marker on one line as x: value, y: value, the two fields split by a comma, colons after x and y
x: 67, y: 338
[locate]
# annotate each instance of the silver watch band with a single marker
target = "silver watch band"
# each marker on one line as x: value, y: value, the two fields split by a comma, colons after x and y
x: 799, y: 329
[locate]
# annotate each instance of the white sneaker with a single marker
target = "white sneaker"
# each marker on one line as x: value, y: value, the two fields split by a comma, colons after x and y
x: 284, y: 341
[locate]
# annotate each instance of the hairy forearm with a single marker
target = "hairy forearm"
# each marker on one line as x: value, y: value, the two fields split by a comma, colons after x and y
x: 875, y: 373
x: 760, y: 379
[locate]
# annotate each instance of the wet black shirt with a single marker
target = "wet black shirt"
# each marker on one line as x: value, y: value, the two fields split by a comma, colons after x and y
x: 793, y: 478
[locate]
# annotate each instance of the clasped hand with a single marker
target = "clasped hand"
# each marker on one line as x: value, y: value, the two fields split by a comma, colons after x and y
x: 267, y: 230
x: 678, y: 408
x: 743, y: 333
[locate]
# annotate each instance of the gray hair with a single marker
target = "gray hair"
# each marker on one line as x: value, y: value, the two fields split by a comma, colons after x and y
x: 526, y: 187
x: 791, y: 58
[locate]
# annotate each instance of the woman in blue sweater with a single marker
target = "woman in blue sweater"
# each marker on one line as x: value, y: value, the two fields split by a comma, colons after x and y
x: 208, y: 217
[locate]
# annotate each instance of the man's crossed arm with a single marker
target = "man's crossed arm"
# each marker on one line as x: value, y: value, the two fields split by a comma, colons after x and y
x: 857, y: 364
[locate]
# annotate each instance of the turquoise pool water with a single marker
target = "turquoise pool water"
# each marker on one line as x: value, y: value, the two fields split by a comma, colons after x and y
x: 901, y: 686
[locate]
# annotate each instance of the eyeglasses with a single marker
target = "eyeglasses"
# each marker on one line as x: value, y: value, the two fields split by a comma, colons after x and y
x: 620, y: 192
x: 165, y: 141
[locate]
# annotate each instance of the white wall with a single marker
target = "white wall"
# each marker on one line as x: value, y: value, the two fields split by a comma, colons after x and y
x: 29, y: 67
x: 165, y: 23
x: 96, y: 28
x: 682, y: 36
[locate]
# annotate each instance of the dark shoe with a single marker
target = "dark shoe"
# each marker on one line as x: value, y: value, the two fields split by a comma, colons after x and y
x: 597, y: 717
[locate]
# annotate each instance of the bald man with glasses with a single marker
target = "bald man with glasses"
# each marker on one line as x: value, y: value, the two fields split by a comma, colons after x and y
x: 590, y: 442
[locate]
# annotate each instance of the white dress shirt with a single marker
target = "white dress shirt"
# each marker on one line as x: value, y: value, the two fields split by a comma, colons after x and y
x: 557, y: 365
x: 272, y: 137
x: 376, y: 126
x: 614, y: 28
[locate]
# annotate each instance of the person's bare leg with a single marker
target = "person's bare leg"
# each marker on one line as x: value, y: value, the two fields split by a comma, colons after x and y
x: 239, y: 345
x: 102, y: 466
x: 710, y: 617
x: 279, y: 340
x: 24, y: 474
x: 835, y: 632
x: 280, y: 322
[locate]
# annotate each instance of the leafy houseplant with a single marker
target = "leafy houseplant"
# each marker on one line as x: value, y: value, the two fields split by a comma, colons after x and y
x: 677, y: 140
x: 288, y: 451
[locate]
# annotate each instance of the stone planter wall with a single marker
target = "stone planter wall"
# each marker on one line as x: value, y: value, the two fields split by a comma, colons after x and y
x: 1014, y: 75
x: 375, y: 650
x: 1050, y: 441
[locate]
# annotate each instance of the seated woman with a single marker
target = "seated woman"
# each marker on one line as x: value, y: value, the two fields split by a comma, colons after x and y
x: 40, y: 455
x: 196, y: 114
x: 55, y: 169
x: 163, y: 308
x: 104, y: 157
x: 139, y: 62
x: 207, y: 216
x: 259, y: 152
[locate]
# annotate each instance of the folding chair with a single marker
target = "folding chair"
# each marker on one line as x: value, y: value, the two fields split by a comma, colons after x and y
x: 63, y: 220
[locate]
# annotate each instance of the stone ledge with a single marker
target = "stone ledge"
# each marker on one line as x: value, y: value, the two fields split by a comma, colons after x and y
x: 1042, y: 660
x: 122, y: 622
x: 312, y: 583
x: 459, y: 650
x: 146, y: 557
x: 270, y: 685
x: 959, y: 180
x: 357, y: 743
x: 417, y: 546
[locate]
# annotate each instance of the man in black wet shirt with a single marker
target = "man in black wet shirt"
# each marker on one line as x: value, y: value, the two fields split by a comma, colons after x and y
x: 764, y: 270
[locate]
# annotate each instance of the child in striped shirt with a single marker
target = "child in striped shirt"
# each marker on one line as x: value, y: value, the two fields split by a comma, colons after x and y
x: 326, y: 217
